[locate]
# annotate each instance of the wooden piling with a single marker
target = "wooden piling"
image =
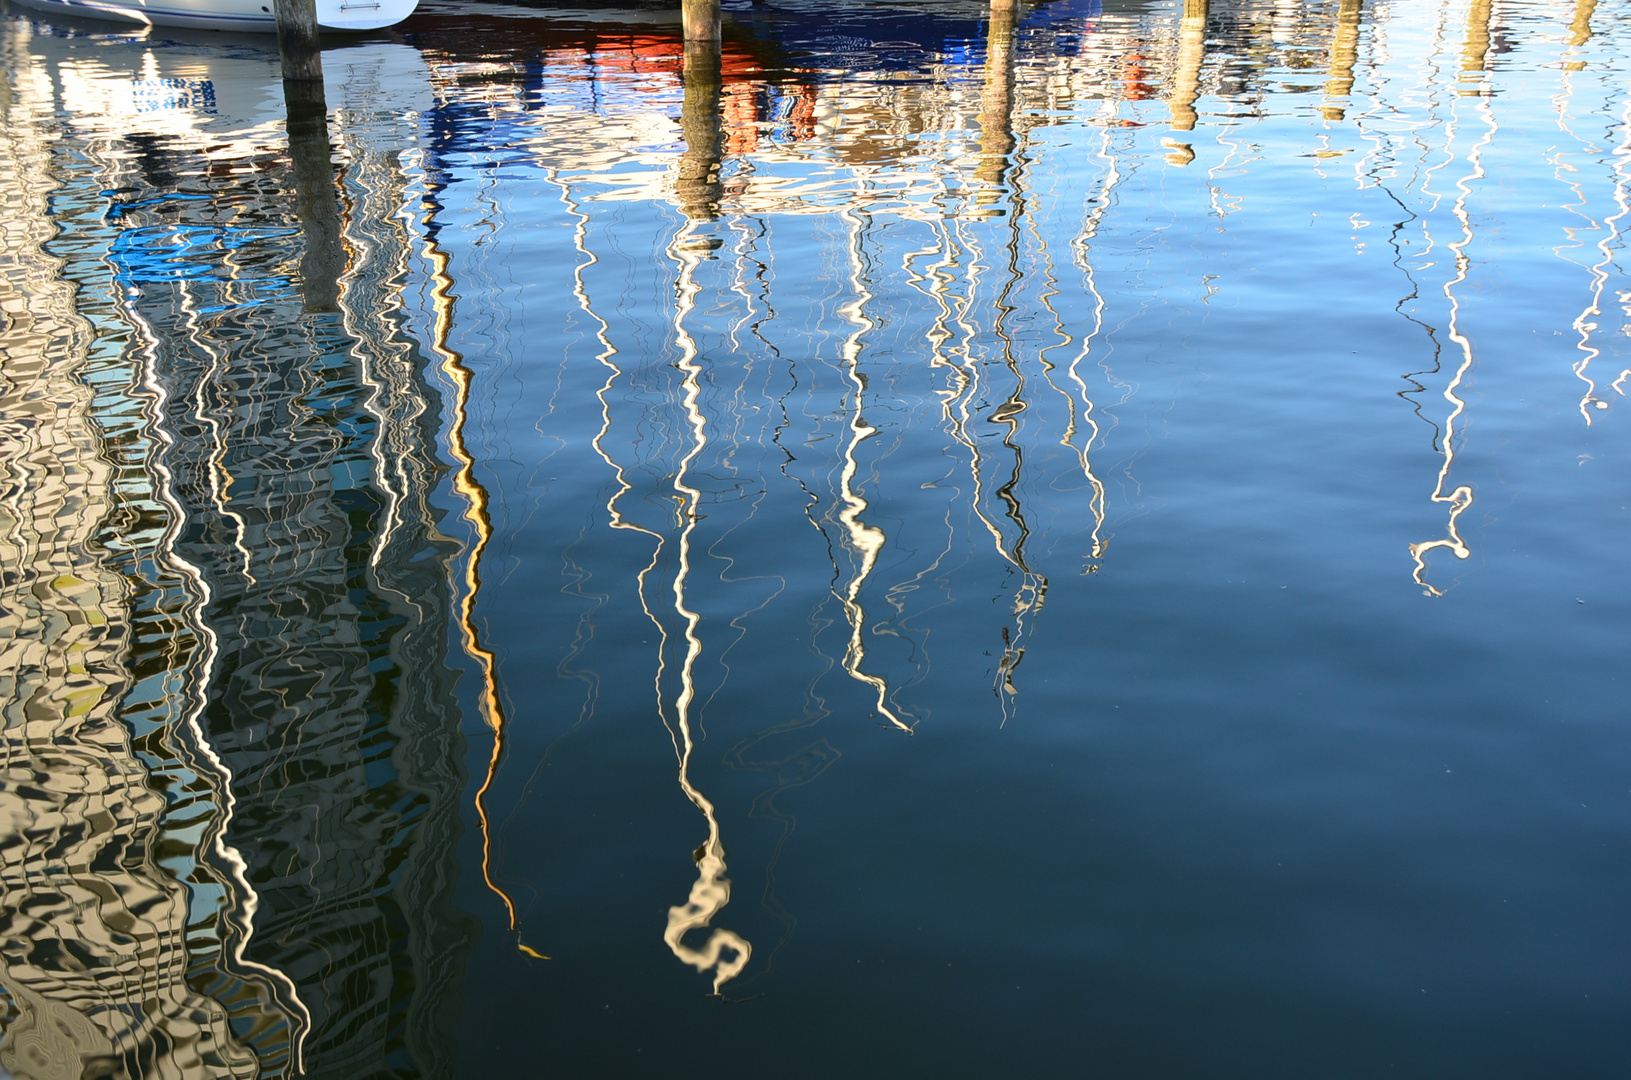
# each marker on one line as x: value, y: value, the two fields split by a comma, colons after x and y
x: 297, y: 40
x: 700, y: 19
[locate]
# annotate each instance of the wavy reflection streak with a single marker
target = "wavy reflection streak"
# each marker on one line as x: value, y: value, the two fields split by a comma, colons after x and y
x: 475, y: 513
x: 1461, y: 497
x: 238, y: 915
x: 711, y: 892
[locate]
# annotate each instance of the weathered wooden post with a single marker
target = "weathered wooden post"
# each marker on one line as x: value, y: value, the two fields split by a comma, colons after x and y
x: 1344, y: 53
x: 297, y: 41
x: 997, y: 95
x: 699, y: 187
x: 701, y: 20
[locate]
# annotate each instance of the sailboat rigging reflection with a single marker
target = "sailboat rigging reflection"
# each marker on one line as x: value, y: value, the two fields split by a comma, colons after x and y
x: 1611, y: 226
x: 476, y: 501
x: 864, y: 541
x: 725, y: 951
x: 989, y: 411
x: 1459, y: 498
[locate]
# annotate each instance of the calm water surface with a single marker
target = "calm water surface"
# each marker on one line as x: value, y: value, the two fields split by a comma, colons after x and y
x: 1082, y: 542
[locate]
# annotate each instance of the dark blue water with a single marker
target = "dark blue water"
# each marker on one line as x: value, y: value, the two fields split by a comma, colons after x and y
x: 1081, y: 544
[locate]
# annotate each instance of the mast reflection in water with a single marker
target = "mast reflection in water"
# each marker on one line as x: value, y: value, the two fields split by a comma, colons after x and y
x: 963, y: 537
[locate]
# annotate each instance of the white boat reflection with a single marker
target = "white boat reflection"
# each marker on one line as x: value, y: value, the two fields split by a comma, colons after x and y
x: 243, y: 16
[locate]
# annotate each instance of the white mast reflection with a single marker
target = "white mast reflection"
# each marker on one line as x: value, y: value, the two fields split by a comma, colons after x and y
x: 867, y: 541
x: 1612, y: 228
x: 1459, y: 498
x: 712, y: 889
x: 1080, y: 247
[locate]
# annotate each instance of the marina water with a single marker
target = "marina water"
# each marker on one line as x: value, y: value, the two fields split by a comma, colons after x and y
x: 1087, y: 543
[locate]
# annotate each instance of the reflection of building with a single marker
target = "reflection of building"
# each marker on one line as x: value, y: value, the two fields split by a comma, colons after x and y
x: 94, y: 953
x: 293, y: 459
x: 303, y: 466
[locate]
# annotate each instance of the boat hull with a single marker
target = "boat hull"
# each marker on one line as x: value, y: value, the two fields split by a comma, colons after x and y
x: 251, y: 16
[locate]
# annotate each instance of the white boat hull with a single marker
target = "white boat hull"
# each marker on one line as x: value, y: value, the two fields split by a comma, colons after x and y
x: 252, y: 16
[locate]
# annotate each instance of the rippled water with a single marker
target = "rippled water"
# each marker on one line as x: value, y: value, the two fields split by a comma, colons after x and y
x: 1083, y: 542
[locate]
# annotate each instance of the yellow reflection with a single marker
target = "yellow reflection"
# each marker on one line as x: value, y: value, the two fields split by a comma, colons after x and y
x: 1186, y: 76
x: 997, y: 96
x: 1475, y: 53
x: 1344, y: 53
x: 476, y: 502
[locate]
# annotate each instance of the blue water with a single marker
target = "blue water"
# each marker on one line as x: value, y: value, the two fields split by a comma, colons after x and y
x: 1082, y: 545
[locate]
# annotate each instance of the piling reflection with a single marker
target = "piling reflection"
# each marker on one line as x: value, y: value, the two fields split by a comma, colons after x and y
x: 1475, y: 53
x: 1187, y: 75
x: 1580, y: 26
x: 317, y: 203
x: 698, y: 185
x: 1344, y: 54
x: 997, y: 93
